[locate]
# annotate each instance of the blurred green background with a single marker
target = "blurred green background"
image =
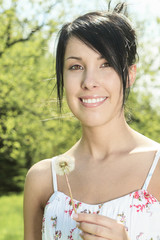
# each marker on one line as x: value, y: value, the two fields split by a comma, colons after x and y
x: 31, y: 129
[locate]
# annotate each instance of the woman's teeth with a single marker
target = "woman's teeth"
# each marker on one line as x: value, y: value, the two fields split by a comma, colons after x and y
x: 93, y: 100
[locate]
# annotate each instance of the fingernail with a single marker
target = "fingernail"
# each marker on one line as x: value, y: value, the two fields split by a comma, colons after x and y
x: 74, y: 216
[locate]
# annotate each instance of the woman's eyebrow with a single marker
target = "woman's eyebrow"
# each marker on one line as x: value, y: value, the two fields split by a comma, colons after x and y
x: 73, y: 57
x: 80, y: 59
x: 100, y: 57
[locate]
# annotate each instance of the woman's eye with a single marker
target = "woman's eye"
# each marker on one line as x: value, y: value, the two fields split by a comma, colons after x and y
x: 76, y: 67
x: 104, y: 65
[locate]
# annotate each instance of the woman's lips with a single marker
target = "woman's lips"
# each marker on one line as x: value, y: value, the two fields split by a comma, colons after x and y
x: 92, y: 101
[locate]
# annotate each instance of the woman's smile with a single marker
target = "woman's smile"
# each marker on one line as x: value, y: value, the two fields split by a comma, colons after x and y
x: 91, y: 101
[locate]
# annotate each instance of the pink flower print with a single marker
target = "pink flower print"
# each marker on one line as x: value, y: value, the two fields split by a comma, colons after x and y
x: 95, y: 212
x: 54, y: 221
x: 58, y: 235
x: 43, y: 221
x: 137, y: 196
x: 77, y: 205
x: 99, y: 208
x: 145, y: 197
x: 150, y: 199
x: 71, y: 234
x: 139, y: 236
x: 140, y: 207
x: 69, y: 211
x: 123, y: 220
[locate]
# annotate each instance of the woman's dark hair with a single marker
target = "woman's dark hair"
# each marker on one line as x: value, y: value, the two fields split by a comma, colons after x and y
x: 108, y: 33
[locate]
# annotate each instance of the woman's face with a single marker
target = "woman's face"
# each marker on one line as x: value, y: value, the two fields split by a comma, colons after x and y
x: 93, y: 88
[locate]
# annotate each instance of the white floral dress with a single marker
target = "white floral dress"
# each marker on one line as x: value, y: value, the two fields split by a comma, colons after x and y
x: 139, y: 211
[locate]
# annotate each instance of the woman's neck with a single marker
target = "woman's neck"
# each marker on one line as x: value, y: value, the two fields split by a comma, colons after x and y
x: 98, y: 142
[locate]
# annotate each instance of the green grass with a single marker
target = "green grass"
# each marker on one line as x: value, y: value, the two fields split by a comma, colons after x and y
x: 11, y: 217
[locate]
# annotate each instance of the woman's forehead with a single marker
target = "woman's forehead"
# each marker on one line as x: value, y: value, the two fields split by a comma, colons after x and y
x: 76, y: 46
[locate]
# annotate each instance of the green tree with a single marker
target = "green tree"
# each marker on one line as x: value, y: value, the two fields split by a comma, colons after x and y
x: 143, y: 105
x: 25, y: 65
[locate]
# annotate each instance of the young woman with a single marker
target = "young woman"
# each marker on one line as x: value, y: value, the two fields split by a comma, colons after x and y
x: 116, y: 180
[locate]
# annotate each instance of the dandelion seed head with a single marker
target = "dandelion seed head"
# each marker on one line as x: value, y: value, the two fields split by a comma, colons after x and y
x: 64, y: 164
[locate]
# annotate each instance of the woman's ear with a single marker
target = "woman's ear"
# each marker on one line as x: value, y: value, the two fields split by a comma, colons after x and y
x: 132, y: 75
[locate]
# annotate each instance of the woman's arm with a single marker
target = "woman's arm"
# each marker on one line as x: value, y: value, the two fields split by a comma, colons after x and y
x: 38, y: 188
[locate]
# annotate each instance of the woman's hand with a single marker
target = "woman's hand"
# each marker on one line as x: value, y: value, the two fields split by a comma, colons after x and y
x: 98, y: 227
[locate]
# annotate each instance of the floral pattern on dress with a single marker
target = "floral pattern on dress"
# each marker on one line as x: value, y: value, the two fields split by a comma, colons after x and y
x: 138, y: 237
x: 145, y: 197
x: 123, y: 219
x: 71, y: 234
x: 43, y: 227
x: 58, y: 235
x: 77, y: 205
x: 54, y: 224
x: 94, y: 212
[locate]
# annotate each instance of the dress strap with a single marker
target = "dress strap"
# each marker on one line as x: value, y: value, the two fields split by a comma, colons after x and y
x: 151, y: 171
x: 54, y: 176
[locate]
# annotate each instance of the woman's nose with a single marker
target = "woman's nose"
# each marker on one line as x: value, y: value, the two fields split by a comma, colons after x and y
x: 90, y: 81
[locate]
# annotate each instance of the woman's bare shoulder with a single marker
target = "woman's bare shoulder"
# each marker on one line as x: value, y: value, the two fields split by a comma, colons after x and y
x: 40, y: 170
x: 145, y: 143
x: 41, y: 166
x: 39, y: 180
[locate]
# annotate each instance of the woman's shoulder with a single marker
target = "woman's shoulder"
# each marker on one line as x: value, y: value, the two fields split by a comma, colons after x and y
x: 39, y: 180
x: 146, y: 143
x: 40, y: 169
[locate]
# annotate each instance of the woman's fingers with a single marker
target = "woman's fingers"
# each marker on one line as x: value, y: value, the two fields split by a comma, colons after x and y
x: 94, y: 218
x: 94, y: 230
x: 97, y: 227
x: 93, y: 226
x: 87, y: 236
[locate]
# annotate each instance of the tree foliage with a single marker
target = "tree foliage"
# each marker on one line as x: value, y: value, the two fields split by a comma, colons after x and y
x: 26, y: 65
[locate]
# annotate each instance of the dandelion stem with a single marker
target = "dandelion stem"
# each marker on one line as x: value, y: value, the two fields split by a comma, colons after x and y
x: 70, y: 192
